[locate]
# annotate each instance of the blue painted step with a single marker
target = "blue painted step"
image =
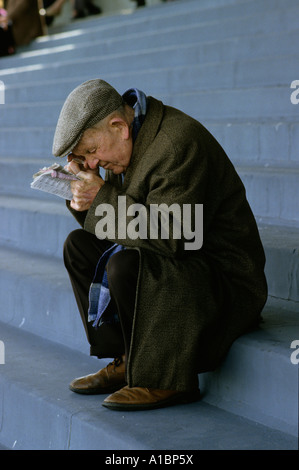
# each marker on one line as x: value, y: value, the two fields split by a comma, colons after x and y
x: 34, y: 387
x: 236, y: 60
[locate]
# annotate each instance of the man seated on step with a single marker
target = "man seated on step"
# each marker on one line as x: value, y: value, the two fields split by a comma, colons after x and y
x: 168, y: 267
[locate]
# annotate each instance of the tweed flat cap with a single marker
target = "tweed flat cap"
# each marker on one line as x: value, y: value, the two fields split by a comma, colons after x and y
x: 85, y: 106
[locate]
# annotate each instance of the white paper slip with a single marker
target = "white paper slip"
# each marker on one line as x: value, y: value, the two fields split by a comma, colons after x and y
x: 55, y: 180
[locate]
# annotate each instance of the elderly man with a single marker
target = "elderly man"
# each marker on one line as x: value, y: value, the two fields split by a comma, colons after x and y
x: 164, y: 307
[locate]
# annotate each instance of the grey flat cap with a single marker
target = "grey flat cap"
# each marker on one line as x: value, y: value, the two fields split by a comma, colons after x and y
x: 85, y: 106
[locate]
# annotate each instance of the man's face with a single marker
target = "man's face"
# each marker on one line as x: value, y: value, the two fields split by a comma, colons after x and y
x: 108, y: 147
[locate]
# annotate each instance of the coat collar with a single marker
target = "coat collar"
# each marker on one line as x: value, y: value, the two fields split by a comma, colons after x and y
x: 146, y: 135
x: 149, y: 129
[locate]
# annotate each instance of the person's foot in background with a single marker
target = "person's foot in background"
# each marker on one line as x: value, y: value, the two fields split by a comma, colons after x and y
x: 83, y: 8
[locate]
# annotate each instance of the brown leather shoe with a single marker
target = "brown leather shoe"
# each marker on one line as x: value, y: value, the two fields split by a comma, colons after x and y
x: 107, y: 380
x: 138, y: 398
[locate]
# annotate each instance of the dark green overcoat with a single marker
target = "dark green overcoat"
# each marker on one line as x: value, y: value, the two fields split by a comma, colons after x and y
x: 191, y: 304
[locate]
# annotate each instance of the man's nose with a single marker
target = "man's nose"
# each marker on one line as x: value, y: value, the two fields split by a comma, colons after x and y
x: 93, y: 163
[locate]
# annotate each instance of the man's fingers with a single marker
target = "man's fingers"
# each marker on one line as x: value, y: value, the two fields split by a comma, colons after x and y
x: 77, y: 187
x: 78, y: 206
x: 88, y: 176
x: 85, y: 190
x: 89, y: 180
x: 81, y: 203
x: 73, y: 167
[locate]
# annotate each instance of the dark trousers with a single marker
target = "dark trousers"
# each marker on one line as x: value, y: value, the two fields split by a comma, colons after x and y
x: 6, y: 42
x: 82, y: 251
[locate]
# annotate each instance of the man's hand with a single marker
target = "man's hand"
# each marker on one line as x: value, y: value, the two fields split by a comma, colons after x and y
x: 85, y: 190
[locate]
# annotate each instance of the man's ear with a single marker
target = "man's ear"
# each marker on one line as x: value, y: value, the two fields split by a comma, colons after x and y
x: 121, y: 125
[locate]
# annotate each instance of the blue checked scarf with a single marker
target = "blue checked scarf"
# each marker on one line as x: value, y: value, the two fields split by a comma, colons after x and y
x: 99, y: 294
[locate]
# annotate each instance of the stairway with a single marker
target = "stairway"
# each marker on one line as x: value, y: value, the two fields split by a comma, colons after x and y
x: 229, y: 64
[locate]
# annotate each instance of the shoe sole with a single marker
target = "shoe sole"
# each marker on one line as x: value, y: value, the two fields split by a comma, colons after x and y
x: 174, y: 400
x: 97, y: 391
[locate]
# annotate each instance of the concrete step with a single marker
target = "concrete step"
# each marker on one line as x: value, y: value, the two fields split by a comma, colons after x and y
x: 242, y: 55
x: 187, y: 34
x: 165, y: 21
x: 212, y: 52
x: 243, y: 76
x: 55, y: 317
x: 272, y: 103
x: 186, y: 37
x: 233, y: 104
x: 273, y: 143
x: 272, y: 192
x: 178, y: 13
x: 120, y: 59
x: 282, y: 261
x: 77, y: 422
x: 15, y: 68
x: 35, y: 142
x: 37, y: 297
x: 26, y: 223
x: 16, y: 176
x: 157, y: 7
x: 259, y: 376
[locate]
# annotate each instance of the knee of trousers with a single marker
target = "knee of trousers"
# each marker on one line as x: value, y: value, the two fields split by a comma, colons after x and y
x: 73, y: 241
x: 74, y: 248
x: 122, y: 269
